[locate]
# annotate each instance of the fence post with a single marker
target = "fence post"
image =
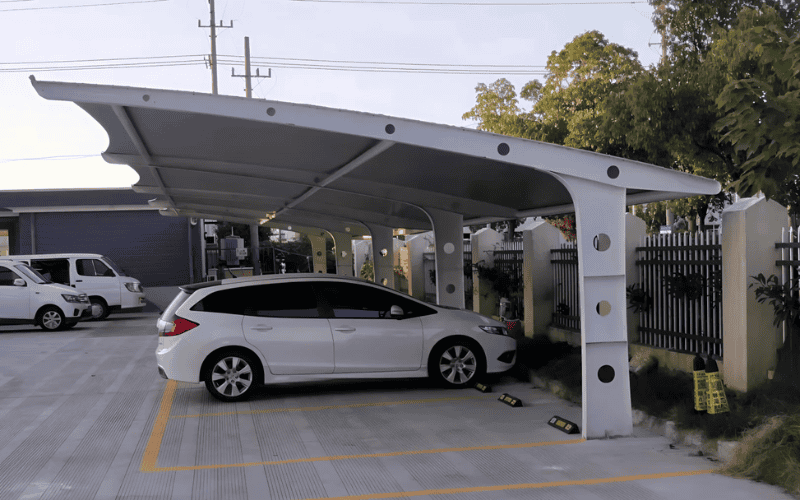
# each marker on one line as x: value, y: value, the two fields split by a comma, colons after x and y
x: 750, y: 229
x: 484, y: 299
x: 635, y: 231
x: 538, y: 276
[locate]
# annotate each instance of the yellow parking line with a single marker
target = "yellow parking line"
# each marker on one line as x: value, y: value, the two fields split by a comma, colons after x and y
x: 151, y: 452
x: 150, y: 456
x: 523, y: 486
x: 370, y: 455
x: 326, y: 407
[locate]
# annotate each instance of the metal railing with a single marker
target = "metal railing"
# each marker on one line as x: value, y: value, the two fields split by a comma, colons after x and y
x: 680, y: 276
x: 566, y: 292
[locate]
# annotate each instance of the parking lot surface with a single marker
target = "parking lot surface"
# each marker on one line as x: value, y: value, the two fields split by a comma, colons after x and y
x: 84, y: 415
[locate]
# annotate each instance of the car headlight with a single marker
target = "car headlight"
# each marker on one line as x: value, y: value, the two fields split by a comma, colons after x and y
x: 496, y: 330
x: 75, y: 299
x: 134, y: 287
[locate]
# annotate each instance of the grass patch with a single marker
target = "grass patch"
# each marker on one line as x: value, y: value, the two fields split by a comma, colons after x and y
x: 767, y: 419
x: 770, y: 453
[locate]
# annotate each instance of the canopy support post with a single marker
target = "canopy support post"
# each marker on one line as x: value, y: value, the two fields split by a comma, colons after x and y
x: 600, y: 221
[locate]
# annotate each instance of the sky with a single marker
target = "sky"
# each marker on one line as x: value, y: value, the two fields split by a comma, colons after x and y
x: 52, y: 144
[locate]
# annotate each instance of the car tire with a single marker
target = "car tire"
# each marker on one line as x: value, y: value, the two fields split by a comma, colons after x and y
x: 232, y: 375
x: 99, y: 308
x: 456, y: 363
x: 51, y: 319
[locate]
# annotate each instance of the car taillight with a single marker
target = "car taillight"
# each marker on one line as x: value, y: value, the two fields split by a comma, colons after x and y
x: 179, y: 326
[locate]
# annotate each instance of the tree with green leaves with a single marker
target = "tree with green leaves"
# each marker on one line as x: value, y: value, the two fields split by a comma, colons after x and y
x: 699, y: 113
x: 567, y: 108
x: 760, y: 102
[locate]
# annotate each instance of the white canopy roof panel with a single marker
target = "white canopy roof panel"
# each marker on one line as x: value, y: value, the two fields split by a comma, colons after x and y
x: 245, y: 160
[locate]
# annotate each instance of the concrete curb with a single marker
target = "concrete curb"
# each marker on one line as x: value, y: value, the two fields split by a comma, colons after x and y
x: 716, y: 449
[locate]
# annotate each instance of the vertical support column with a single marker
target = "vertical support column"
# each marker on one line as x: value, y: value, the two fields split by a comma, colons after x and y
x: 33, y: 233
x: 600, y: 217
x: 343, y: 248
x: 382, y: 254
x: 318, y: 251
x: 750, y: 229
x: 538, y: 276
x: 255, y: 257
x: 448, y: 230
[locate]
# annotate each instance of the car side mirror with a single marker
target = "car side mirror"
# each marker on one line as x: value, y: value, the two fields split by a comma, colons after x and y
x: 19, y: 282
x: 396, y: 312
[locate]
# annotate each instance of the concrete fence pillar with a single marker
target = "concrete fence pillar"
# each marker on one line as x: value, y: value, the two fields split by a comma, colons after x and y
x: 416, y: 246
x: 635, y: 231
x: 484, y: 299
x: 538, y: 276
x: 750, y: 229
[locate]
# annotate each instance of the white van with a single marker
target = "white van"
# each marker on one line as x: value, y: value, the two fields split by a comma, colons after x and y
x: 108, y: 287
x: 26, y: 297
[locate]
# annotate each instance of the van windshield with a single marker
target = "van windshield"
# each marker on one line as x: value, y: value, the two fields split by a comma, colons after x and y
x: 31, y: 273
x: 113, y: 265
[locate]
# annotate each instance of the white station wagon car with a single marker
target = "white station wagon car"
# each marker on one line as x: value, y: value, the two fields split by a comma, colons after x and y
x: 238, y: 333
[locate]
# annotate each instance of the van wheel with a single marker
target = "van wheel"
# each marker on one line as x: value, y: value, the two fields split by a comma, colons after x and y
x: 232, y: 375
x: 99, y: 308
x: 51, y: 319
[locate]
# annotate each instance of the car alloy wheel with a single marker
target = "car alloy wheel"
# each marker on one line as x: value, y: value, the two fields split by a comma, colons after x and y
x: 51, y: 319
x: 231, y: 377
x: 458, y: 365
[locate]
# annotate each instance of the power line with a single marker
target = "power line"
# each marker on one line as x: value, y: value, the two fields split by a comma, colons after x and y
x: 268, y: 59
x: 101, y: 66
x: 84, y: 5
x: 472, y: 4
x: 283, y: 62
x: 104, y: 59
x: 60, y: 157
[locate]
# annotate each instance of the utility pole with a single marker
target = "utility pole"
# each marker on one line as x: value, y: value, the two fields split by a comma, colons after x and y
x: 247, y: 74
x: 213, y: 26
x: 255, y: 245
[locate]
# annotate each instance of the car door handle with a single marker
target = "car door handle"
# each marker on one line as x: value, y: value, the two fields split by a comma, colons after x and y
x: 261, y: 328
x: 345, y: 329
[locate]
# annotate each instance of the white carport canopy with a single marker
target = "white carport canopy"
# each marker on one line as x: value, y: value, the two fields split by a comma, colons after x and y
x: 246, y: 160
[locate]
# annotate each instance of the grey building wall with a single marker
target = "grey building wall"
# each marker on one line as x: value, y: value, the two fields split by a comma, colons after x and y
x: 150, y: 247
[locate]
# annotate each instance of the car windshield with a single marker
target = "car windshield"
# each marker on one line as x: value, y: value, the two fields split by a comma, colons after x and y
x: 113, y: 265
x: 31, y: 273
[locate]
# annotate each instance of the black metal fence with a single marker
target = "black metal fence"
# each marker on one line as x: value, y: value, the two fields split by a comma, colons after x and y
x: 566, y: 293
x: 680, y: 292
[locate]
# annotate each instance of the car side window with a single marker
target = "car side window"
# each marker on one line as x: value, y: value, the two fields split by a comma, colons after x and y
x: 353, y: 300
x: 101, y: 269
x: 85, y: 267
x: 229, y: 301
x: 56, y: 270
x: 7, y: 277
x: 282, y: 300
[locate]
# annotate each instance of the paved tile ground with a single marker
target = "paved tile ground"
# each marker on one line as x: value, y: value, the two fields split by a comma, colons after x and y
x: 84, y: 415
